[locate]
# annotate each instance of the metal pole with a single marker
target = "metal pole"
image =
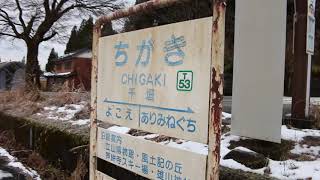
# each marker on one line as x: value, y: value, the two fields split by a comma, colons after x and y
x: 216, y: 89
x: 137, y: 9
x: 308, y: 86
x: 93, y: 115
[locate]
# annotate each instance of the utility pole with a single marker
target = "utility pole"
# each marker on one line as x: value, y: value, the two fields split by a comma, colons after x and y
x: 303, y: 49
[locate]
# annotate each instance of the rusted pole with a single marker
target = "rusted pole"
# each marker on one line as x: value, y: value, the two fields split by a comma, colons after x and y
x: 216, y: 88
x: 93, y: 115
x: 142, y: 8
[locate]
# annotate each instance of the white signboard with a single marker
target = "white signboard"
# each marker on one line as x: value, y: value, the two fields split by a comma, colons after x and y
x: 157, y: 161
x: 157, y: 79
x: 258, y: 77
x: 311, y: 26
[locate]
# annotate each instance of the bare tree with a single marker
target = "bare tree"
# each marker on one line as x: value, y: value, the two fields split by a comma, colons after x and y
x: 36, y: 21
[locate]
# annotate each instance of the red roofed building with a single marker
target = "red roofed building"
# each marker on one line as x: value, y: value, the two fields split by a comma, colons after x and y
x: 71, y: 72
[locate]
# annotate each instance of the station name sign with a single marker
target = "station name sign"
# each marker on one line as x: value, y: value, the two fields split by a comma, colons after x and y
x: 157, y: 79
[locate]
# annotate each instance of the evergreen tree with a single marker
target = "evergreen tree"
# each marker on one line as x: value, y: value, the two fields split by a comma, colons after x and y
x: 53, y: 55
x: 107, y: 30
x: 72, y: 43
x: 177, y: 13
x: 82, y: 38
x: 85, y: 34
x: 140, y: 21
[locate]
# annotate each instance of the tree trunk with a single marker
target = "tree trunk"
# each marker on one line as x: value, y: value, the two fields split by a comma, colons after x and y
x: 32, y: 68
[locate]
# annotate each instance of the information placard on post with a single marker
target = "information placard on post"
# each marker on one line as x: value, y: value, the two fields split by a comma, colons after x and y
x: 149, y: 159
x: 157, y: 79
x: 311, y: 26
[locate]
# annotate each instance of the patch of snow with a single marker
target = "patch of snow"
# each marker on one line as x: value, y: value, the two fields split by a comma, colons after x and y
x: 80, y: 122
x: 64, y: 113
x: 289, y: 169
x: 49, y: 74
x: 5, y: 153
x: 119, y: 129
x: 14, y: 163
x: 5, y: 174
x: 69, y: 111
x: 244, y: 149
x: 150, y: 136
x: 50, y: 108
x: 226, y: 115
x: 313, y: 151
x: 225, y: 143
x: 297, y: 135
x: 191, y: 146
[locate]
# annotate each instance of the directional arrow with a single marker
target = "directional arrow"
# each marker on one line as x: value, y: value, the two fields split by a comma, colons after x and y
x: 188, y: 110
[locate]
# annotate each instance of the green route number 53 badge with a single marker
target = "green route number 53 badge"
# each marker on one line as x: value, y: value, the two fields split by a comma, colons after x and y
x: 184, y: 80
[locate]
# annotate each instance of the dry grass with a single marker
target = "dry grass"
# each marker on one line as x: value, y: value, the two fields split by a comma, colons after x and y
x: 80, y: 171
x: 315, y: 115
x: 25, y: 102
x: 64, y: 98
x: 84, y: 113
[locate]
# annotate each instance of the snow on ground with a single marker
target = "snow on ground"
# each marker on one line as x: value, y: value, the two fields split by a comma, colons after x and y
x: 65, y: 113
x: 289, y: 169
x: 5, y: 174
x: 80, y: 122
x: 226, y: 115
x: 18, y: 165
x: 313, y: 100
x: 297, y: 136
x: 50, y: 74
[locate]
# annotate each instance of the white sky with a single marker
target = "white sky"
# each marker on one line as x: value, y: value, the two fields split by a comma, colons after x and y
x: 15, y: 50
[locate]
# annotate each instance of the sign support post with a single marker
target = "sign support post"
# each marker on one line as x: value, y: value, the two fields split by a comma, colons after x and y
x: 216, y: 88
x: 307, y: 108
x: 93, y: 115
x: 310, y: 48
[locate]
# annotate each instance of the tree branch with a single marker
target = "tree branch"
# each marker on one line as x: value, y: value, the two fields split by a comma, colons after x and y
x: 5, y: 15
x: 46, y: 6
x: 7, y: 34
x: 54, y: 4
x: 20, y: 14
x: 49, y: 37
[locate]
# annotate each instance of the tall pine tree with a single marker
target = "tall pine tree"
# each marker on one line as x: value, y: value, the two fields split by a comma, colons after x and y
x: 85, y: 34
x: 82, y: 38
x: 72, y: 43
x: 53, y: 55
x: 107, y: 30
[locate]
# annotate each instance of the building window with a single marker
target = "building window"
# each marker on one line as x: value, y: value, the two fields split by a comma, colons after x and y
x: 67, y: 65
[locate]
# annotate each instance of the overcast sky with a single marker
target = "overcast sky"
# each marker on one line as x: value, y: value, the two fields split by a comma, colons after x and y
x: 15, y: 50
